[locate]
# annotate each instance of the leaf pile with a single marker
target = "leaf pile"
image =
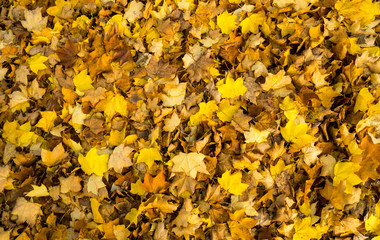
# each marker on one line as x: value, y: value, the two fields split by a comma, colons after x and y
x: 190, y: 119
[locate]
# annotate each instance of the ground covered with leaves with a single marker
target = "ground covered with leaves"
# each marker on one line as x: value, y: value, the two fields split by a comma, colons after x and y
x: 183, y: 119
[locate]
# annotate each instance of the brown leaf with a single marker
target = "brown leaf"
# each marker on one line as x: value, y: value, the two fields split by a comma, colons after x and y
x: 230, y: 49
x: 241, y: 121
x: 68, y: 53
x: 184, y: 184
x: 200, y: 68
x: 157, y: 68
x: 95, y: 124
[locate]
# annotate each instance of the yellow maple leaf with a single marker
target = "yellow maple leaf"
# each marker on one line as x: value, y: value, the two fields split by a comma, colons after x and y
x: 81, y: 22
x: 226, y: 22
x: 132, y: 216
x: 47, y: 120
x: 19, y: 135
x: 226, y: 110
x: 255, y: 135
x: 345, y: 171
x: 232, y: 183
x: 326, y: 94
x: 162, y: 204
x: 288, y: 26
x: 304, y: 229
x: 38, y: 191
x: 364, y: 11
x: 121, y: 23
x: 206, y: 110
x: 94, y: 163
x: 136, y: 188
x: 82, y: 81
x: 175, y: 94
x: 354, y: 149
x: 354, y: 47
x: 189, y: 163
x: 116, y: 104
x: 278, y: 168
x: 36, y: 62
x: 95, y: 210
x: 290, y: 108
x: 43, y: 36
x: 251, y: 23
x: 148, y: 156
x: 230, y: 88
x: 240, y: 225
x: 372, y: 224
x: 116, y: 137
x: 276, y: 81
x: 316, y: 36
x: 362, y: 100
x: 297, y: 134
x: 50, y: 158
x: 59, y: 6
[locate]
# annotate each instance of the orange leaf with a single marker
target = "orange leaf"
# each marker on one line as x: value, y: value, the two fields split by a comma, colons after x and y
x: 154, y: 184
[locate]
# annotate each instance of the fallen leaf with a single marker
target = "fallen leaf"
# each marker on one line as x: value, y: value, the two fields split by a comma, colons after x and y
x: 276, y: 81
x: 38, y: 191
x: 148, y: 156
x: 363, y: 99
x: 120, y: 159
x: 363, y: 11
x: 230, y: 88
x: 345, y: 171
x: 256, y: 136
x: 36, y: 63
x: 232, y: 183
x: 326, y: 94
x: 205, y: 113
x: 172, y: 123
x: 154, y: 184
x: 297, y: 134
x: 226, y: 22
x: 70, y: 184
x: 95, y: 210
x: 251, y: 23
x: 82, y: 81
x: 94, y: 184
x: 4, y: 174
x: 47, y: 120
x: 189, y: 163
x: 26, y: 211
x: 34, y: 20
x: 134, y: 11
x: 94, y: 163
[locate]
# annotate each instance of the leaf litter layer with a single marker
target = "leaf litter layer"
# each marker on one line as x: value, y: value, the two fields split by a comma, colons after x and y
x: 190, y: 119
